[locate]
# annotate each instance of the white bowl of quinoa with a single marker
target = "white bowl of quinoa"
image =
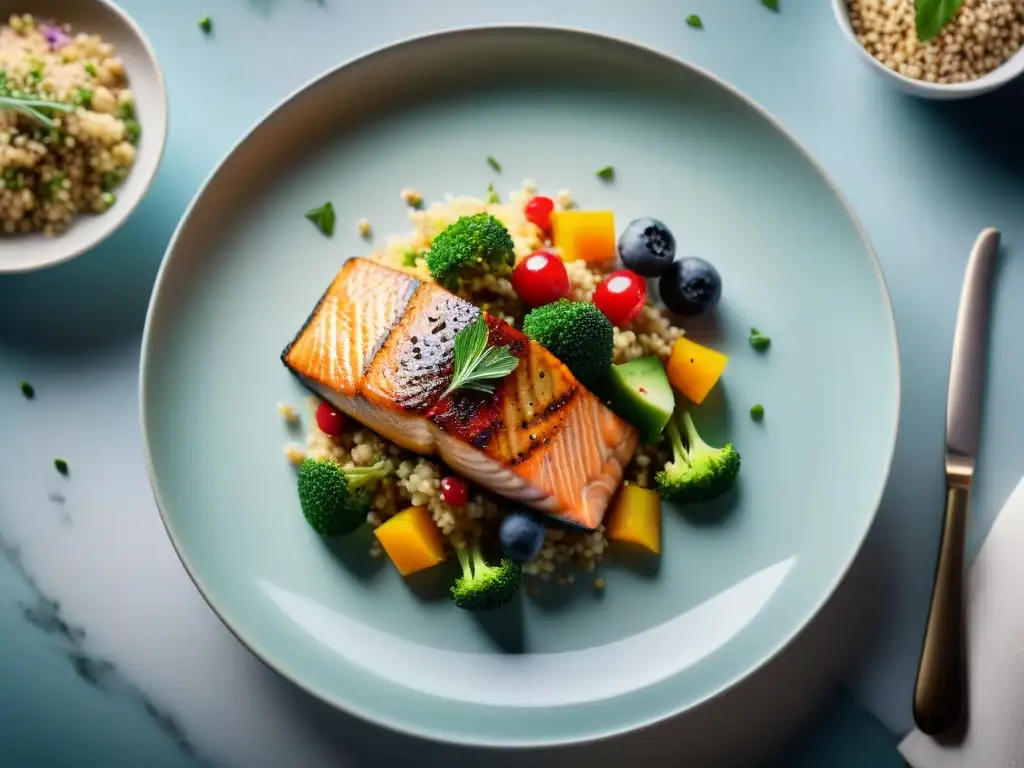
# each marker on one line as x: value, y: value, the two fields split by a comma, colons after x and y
x: 83, y: 124
x: 937, y: 49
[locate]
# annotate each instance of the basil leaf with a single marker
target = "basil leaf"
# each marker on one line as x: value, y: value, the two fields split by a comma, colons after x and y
x: 933, y: 15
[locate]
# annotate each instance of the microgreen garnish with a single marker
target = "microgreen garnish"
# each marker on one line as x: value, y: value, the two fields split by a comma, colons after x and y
x: 693, y: 20
x: 494, y: 163
x: 933, y: 15
x: 323, y: 218
x: 607, y: 173
x: 477, y: 366
x: 758, y: 340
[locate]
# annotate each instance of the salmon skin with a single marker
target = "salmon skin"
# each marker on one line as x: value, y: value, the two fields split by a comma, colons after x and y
x: 380, y: 347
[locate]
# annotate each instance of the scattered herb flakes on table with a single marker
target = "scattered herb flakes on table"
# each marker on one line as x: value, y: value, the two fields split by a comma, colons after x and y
x: 939, y: 41
x: 693, y: 20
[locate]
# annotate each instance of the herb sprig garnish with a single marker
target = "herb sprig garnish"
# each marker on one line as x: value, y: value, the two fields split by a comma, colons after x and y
x: 932, y: 15
x: 31, y: 107
x: 477, y: 366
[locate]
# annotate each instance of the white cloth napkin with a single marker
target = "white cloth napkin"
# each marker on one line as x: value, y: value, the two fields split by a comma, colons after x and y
x: 995, y: 656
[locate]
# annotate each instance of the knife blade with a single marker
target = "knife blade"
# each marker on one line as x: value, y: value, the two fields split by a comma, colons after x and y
x: 970, y: 353
x: 940, y: 692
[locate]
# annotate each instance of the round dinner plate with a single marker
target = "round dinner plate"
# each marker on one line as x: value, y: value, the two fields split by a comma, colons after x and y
x: 735, y: 582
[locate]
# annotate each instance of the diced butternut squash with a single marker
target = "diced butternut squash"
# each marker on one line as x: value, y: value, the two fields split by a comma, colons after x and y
x: 412, y: 540
x: 585, y: 235
x: 694, y: 369
x: 635, y: 518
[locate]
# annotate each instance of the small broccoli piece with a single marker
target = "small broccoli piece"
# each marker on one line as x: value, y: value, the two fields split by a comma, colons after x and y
x: 482, y: 587
x: 578, y: 334
x: 478, y: 243
x: 333, y: 499
x: 697, y: 472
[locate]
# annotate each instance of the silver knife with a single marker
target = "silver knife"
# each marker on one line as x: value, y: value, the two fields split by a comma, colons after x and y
x: 940, y: 694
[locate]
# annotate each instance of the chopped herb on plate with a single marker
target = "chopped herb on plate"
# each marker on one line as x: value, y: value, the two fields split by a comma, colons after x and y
x: 62, y: 466
x: 323, y: 218
x: 757, y: 412
x: 693, y: 20
x: 206, y: 24
x: 492, y: 196
x: 494, y: 163
x: 607, y: 173
x: 90, y: 68
x: 28, y: 390
x: 771, y: 5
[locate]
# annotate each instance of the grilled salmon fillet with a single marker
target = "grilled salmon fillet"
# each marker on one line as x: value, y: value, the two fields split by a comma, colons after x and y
x: 380, y: 346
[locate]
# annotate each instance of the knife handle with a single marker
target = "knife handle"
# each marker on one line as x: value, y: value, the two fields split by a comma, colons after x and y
x: 940, y: 694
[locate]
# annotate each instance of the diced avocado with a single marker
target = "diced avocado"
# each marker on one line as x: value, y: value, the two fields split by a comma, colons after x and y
x: 640, y: 393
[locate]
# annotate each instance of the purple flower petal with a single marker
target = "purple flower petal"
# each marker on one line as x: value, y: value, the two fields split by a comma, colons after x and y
x: 55, y: 36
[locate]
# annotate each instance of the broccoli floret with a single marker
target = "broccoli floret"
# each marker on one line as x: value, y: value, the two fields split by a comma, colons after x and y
x: 482, y: 587
x: 478, y: 243
x: 697, y: 471
x: 333, y: 499
x: 578, y: 334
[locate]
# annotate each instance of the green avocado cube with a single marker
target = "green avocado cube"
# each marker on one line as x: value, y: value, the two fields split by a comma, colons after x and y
x: 639, y: 392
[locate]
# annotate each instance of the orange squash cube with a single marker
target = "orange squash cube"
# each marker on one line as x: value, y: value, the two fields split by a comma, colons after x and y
x: 694, y: 369
x: 635, y: 518
x: 412, y: 540
x: 585, y: 235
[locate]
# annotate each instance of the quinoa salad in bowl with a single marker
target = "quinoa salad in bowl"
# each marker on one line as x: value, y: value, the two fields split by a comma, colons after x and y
x: 500, y: 388
x: 68, y: 125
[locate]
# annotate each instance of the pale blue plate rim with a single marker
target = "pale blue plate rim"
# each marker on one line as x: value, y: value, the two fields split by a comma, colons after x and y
x: 438, y: 37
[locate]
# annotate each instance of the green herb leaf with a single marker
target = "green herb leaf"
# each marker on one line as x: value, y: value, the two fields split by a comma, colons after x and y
x: 494, y: 163
x: 409, y: 258
x: 757, y: 412
x: 126, y: 110
x: 62, y: 466
x: 693, y: 20
x: 206, y: 24
x: 771, y: 5
x: 477, y: 366
x: 492, y: 196
x: 758, y: 340
x: 933, y: 15
x: 323, y: 218
x: 28, y: 390
x: 132, y: 130
x: 90, y: 68
x: 607, y: 173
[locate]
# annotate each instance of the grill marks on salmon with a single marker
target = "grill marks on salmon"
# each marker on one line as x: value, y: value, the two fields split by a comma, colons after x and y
x: 380, y: 347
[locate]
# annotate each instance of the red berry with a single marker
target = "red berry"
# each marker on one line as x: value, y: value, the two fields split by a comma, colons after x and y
x: 330, y: 420
x: 454, y: 491
x: 621, y: 296
x: 540, y: 279
x: 538, y: 211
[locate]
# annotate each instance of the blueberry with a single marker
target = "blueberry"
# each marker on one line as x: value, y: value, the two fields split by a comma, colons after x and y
x: 521, y: 535
x: 647, y: 247
x: 691, y: 287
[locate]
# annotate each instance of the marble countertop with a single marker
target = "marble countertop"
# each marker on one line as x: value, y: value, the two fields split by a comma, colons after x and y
x: 109, y: 654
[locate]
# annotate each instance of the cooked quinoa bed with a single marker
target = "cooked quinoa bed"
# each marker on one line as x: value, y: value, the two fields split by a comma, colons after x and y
x: 50, y: 174
x: 417, y: 479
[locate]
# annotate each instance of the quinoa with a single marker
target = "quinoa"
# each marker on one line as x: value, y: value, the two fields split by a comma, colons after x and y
x: 978, y: 39
x: 50, y: 175
x: 417, y: 479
